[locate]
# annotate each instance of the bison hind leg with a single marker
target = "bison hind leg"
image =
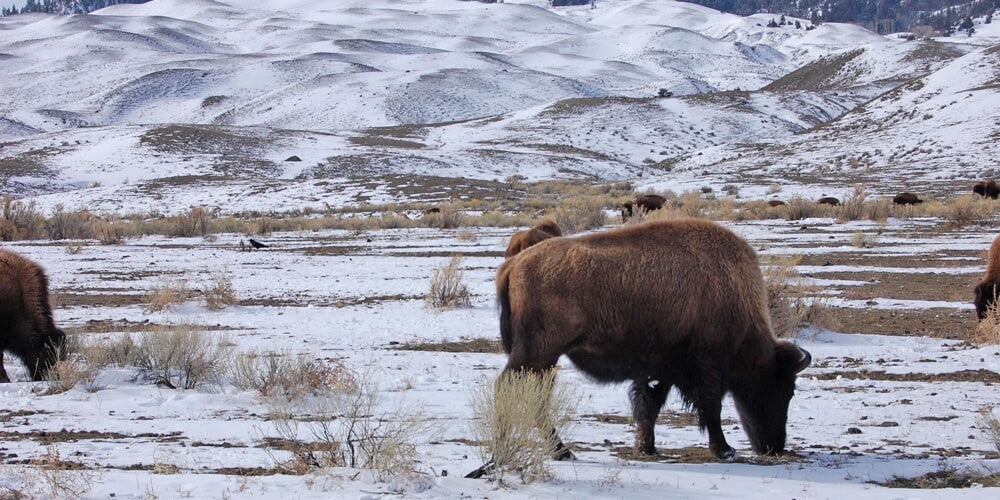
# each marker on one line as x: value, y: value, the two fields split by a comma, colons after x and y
x: 647, y: 396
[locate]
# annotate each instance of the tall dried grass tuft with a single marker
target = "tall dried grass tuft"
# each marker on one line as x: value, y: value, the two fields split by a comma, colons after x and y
x: 991, y: 425
x: 448, y: 288
x: 194, y: 222
x: 853, y: 207
x: 966, y: 210
x: 20, y: 220
x: 791, y: 302
x: 167, y: 295
x: 515, y: 419
x: 289, y: 377
x: 218, y: 292
x: 580, y: 214
x: 987, y: 331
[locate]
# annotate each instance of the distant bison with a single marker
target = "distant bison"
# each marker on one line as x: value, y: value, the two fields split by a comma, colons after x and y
x: 26, y: 327
x: 524, y: 239
x: 432, y: 210
x: 677, y: 303
x: 989, y: 287
x: 775, y: 203
x: 906, y: 198
x: 644, y: 203
x: 987, y: 189
x: 828, y: 200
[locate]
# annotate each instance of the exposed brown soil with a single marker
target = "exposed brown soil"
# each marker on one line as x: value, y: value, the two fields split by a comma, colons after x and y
x: 92, y: 299
x: 945, y: 479
x: 667, y: 417
x: 981, y: 375
x: 471, y: 345
x: 934, y: 322
x: 699, y: 455
x: 46, y: 437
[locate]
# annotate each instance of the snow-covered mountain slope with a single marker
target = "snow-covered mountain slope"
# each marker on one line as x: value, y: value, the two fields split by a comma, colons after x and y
x: 224, y: 91
x: 944, y: 126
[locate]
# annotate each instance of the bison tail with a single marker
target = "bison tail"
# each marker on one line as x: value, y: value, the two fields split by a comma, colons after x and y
x: 503, y: 302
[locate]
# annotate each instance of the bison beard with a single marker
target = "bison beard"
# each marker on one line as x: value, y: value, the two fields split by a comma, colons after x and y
x: 664, y: 304
x: 989, y: 287
x: 26, y: 327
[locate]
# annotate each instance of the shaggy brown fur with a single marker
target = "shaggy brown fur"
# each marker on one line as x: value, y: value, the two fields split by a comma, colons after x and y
x: 524, y: 239
x: 828, y: 200
x: 644, y: 203
x: 906, y: 198
x: 703, y: 328
x: 26, y: 327
x: 987, y: 189
x: 775, y: 203
x: 989, y: 287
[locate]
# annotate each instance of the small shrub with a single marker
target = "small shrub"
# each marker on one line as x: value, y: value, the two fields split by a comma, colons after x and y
x: 991, y: 425
x: 799, y: 208
x: 514, y: 418
x: 20, y: 220
x: 448, y: 288
x: 966, y: 210
x: 988, y: 329
x: 57, y: 477
x: 853, y: 207
x: 788, y: 299
x: 350, y: 430
x: 166, y: 296
x: 282, y: 375
x: 862, y: 239
x: 74, y: 249
x: 218, y: 292
x: 181, y: 356
x: 109, y: 233
x: 64, y: 225
x: 579, y: 215
x: 194, y: 222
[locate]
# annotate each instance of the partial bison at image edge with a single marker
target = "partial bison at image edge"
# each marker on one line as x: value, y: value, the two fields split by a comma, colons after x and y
x: 677, y: 303
x: 26, y: 326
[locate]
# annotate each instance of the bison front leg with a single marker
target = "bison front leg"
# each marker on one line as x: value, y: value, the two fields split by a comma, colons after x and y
x: 3, y: 373
x: 710, y: 419
x: 647, y: 398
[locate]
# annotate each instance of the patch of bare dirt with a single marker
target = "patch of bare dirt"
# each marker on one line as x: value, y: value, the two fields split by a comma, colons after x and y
x: 934, y: 322
x: 700, y: 455
x: 471, y: 345
x: 980, y: 375
x: 946, y: 478
x: 63, y: 436
x: 91, y: 298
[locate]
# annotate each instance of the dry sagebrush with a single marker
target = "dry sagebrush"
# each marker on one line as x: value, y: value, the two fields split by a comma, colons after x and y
x: 448, y: 288
x: 514, y: 416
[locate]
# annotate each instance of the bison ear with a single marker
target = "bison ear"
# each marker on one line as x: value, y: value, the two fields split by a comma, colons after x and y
x: 791, y: 358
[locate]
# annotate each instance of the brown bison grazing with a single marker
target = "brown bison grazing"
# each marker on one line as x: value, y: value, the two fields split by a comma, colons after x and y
x: 989, y: 287
x: 26, y: 327
x: 524, y: 239
x: 644, y: 203
x: 677, y: 303
x: 775, y: 203
x: 906, y: 199
x: 987, y: 189
x: 828, y: 200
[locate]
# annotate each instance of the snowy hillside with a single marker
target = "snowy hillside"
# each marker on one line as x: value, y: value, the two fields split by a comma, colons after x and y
x: 226, y: 91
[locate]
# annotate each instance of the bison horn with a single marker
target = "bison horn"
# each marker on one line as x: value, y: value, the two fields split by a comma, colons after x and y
x: 804, y: 360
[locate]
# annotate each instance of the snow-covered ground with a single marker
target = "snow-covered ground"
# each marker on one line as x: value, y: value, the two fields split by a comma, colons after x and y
x: 353, y: 297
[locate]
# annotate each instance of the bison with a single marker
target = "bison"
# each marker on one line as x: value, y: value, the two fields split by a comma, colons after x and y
x: 644, y: 203
x: 664, y: 304
x: 524, y: 239
x: 906, y: 198
x: 987, y: 189
x: 989, y: 287
x: 828, y: 200
x: 26, y: 326
x: 775, y: 203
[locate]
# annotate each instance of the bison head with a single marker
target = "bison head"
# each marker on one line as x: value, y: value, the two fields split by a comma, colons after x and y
x: 986, y: 296
x: 763, y: 403
x: 51, y: 348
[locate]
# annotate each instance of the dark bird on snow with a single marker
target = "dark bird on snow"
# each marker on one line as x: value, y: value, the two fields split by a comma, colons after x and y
x: 256, y: 244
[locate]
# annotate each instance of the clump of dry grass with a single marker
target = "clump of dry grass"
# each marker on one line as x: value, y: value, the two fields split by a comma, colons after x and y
x: 862, y: 239
x: 166, y: 296
x: 55, y: 477
x: 283, y: 375
x: 218, y: 292
x: 448, y: 288
x: 853, y: 207
x: 20, y: 220
x: 991, y: 425
x: 63, y: 225
x: 580, y: 214
x: 799, y: 208
x: 194, y: 222
x: 966, y: 210
x: 789, y: 300
x: 109, y: 233
x: 987, y: 331
x: 181, y: 355
x: 519, y: 418
x: 349, y: 429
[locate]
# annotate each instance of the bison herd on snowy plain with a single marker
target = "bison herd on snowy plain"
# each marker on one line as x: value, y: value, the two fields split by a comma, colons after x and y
x: 663, y: 304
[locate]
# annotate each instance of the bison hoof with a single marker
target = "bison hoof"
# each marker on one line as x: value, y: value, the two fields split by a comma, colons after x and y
x: 563, y: 453
x: 727, y: 453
